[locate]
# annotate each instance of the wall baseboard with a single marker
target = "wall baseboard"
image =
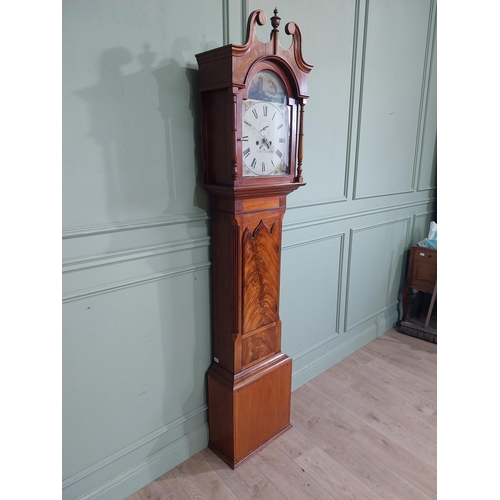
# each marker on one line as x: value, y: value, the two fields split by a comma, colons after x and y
x: 148, y: 469
x: 338, y: 353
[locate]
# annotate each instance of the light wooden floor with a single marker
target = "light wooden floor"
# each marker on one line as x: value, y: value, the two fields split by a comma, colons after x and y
x: 364, y: 429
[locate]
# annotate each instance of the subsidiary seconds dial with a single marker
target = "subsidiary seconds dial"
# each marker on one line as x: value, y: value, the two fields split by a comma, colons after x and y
x: 265, y: 139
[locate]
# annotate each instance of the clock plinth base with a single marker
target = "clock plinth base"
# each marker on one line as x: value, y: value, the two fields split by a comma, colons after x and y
x: 248, y: 410
x: 231, y: 463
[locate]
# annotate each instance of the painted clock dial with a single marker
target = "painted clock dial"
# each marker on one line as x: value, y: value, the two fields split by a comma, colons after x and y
x: 265, y: 127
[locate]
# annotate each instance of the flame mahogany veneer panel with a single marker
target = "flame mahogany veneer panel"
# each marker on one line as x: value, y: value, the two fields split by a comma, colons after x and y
x: 261, y: 278
x: 259, y: 345
x: 261, y: 265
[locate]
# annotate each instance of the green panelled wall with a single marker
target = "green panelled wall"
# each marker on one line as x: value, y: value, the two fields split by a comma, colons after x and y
x: 136, y: 222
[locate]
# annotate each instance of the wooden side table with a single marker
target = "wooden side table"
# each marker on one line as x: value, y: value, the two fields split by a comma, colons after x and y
x: 422, y: 274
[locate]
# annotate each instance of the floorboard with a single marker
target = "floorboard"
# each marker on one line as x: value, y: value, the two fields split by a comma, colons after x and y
x: 364, y: 429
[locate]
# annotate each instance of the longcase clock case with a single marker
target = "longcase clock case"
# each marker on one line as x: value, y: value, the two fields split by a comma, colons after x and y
x: 249, y: 381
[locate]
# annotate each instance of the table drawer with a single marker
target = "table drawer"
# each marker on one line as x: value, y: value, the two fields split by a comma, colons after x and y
x: 423, y: 269
x: 425, y: 255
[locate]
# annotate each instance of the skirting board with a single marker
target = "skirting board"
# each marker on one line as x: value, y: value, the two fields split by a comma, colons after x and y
x: 332, y: 356
x: 149, y: 469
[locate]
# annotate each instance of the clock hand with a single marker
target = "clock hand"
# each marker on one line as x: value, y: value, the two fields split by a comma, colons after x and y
x: 250, y: 125
x: 266, y: 142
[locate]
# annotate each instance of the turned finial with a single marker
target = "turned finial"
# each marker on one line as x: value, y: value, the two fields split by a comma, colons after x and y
x: 275, y: 20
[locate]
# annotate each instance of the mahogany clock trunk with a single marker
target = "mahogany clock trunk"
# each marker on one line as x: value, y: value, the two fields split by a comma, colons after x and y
x: 249, y: 384
x: 253, y: 99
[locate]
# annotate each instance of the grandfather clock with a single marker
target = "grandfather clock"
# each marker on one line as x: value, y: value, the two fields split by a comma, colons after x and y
x: 253, y: 99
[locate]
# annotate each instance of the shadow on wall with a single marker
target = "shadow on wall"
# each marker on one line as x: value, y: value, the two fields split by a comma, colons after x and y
x: 147, y: 127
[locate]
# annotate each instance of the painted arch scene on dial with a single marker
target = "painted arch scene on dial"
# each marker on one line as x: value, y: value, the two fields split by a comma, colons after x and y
x: 265, y: 127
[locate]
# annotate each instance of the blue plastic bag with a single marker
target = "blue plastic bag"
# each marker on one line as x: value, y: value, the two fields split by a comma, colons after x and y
x: 431, y: 240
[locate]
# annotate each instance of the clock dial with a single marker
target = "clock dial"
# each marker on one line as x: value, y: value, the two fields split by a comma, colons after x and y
x: 264, y: 140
